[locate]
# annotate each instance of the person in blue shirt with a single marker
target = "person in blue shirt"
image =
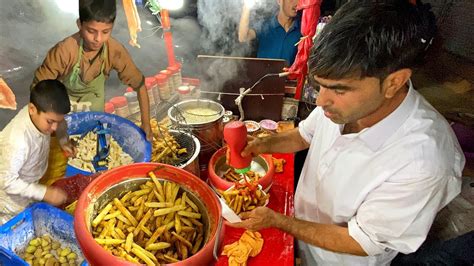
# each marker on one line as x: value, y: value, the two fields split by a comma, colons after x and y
x: 276, y: 36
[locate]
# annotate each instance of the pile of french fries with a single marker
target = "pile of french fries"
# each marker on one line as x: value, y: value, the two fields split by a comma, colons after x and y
x: 165, y: 148
x: 232, y: 176
x: 245, y: 196
x: 156, y: 224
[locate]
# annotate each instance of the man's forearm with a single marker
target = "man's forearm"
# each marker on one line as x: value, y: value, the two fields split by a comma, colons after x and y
x: 144, y: 103
x: 244, y: 24
x: 285, y: 142
x: 326, y: 236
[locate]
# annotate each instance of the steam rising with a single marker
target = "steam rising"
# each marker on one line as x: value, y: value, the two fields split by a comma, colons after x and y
x: 30, y: 28
x: 220, y: 21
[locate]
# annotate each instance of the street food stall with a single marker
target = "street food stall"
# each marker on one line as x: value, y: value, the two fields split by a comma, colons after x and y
x: 167, y: 201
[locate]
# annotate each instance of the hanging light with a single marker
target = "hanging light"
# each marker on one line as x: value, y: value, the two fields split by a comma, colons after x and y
x: 171, y: 4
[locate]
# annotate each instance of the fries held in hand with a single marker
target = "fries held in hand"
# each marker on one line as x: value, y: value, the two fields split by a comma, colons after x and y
x: 245, y: 196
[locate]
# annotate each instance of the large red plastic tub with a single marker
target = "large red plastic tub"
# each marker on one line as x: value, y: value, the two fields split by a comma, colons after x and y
x: 96, y: 255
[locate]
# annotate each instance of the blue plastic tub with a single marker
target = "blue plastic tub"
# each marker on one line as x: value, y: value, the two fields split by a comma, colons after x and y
x: 131, y: 138
x: 35, y: 221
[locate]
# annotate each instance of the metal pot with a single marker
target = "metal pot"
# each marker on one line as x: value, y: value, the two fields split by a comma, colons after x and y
x: 208, y: 131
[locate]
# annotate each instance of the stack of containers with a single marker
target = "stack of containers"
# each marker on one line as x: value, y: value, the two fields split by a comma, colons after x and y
x: 109, y: 108
x: 121, y: 106
x: 132, y: 99
x: 162, y: 82
x: 176, y: 78
x: 150, y: 83
x: 169, y: 76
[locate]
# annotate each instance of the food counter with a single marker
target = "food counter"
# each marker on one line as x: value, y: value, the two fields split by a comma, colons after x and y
x: 278, y: 246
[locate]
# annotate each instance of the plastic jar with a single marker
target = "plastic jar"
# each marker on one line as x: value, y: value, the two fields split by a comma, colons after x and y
x: 184, y: 93
x: 150, y: 84
x: 162, y: 82
x: 132, y: 99
x: 175, y: 75
x: 121, y: 106
x: 109, y: 108
x: 269, y: 125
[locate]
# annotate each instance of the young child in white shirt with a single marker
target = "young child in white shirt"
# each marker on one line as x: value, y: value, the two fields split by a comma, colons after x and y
x: 24, y: 148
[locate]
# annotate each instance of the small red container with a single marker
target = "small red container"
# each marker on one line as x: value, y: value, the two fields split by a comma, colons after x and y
x: 96, y: 255
x: 217, y: 161
x: 109, y: 108
x: 161, y: 78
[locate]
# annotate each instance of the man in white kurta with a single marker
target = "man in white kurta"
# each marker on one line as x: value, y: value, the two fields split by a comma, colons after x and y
x: 381, y: 161
x: 385, y: 183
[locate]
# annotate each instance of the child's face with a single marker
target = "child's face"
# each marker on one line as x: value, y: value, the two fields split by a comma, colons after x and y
x: 94, y: 34
x: 45, y: 122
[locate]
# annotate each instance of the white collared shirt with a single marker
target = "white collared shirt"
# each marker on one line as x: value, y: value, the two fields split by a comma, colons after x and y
x: 23, y: 161
x: 385, y: 183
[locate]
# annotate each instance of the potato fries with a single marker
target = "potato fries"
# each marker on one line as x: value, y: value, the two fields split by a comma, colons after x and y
x: 156, y: 224
x: 232, y: 176
x: 244, y: 196
x: 165, y: 148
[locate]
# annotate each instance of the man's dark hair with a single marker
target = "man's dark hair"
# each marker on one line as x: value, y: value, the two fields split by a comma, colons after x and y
x: 97, y: 10
x: 372, y: 39
x: 50, y: 95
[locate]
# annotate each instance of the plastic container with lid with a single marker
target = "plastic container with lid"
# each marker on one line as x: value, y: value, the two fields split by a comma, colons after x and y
x: 184, y: 93
x: 252, y: 126
x: 121, y: 106
x: 151, y: 86
x: 109, y: 108
x: 132, y: 100
x: 162, y: 81
x: 175, y: 71
x: 169, y: 74
x: 269, y: 125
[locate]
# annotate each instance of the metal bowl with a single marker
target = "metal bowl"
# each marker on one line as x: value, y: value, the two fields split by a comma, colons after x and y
x: 120, y: 189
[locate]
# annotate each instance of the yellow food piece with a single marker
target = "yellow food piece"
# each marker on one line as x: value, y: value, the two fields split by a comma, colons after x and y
x: 86, y: 150
x: 249, y: 244
x: 278, y: 164
x: 44, y: 251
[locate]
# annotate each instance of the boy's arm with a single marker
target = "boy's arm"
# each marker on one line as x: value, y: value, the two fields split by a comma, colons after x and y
x: 53, y: 65
x: 129, y: 74
x: 144, y: 103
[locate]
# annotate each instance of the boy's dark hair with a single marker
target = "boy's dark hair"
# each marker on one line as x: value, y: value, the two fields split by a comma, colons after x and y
x: 50, y: 95
x: 372, y: 39
x: 97, y: 10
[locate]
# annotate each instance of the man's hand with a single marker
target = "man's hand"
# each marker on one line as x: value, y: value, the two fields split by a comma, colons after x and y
x: 249, y: 3
x: 258, y: 218
x: 253, y: 148
x: 147, y: 128
x: 55, y: 196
